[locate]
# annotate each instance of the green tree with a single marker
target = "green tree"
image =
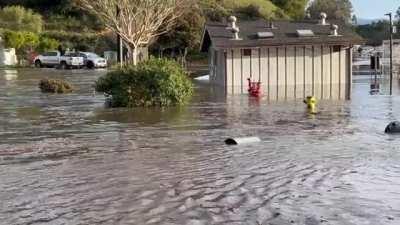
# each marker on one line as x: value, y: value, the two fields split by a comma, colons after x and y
x: 216, y: 10
x: 187, y: 31
x: 335, y: 9
x: 138, y: 23
x: 248, y: 8
x: 13, y: 39
x: 295, y: 9
x: 376, y: 32
x: 213, y: 10
x: 18, y: 18
x: 23, y: 42
x: 354, y: 20
x: 31, y: 41
x: 40, y: 5
x: 398, y: 13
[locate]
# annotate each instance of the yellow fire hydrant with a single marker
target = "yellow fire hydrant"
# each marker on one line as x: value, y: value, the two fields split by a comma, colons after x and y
x: 311, y: 103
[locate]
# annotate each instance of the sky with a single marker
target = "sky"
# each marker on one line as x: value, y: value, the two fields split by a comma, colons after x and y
x: 374, y: 9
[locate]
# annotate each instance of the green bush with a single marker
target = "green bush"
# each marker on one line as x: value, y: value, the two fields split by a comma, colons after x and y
x: 55, y: 86
x: 156, y: 82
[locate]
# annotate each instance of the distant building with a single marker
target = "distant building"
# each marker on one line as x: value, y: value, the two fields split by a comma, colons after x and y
x: 386, y: 56
x: 291, y: 59
x: 396, y: 50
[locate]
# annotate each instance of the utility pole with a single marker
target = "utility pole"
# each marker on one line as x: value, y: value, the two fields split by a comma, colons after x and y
x: 391, y: 51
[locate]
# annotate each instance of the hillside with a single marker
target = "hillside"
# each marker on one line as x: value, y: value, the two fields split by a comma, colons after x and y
x: 76, y: 29
x: 266, y: 9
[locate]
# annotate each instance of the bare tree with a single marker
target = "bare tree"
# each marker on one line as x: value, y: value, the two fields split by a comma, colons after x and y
x: 138, y: 22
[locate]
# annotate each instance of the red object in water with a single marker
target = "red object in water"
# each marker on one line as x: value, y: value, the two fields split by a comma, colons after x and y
x: 254, y: 88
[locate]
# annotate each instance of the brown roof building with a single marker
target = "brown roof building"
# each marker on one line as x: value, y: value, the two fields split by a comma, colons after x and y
x: 291, y: 59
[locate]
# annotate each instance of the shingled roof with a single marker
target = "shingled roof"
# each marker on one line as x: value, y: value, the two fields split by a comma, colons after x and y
x: 284, y: 33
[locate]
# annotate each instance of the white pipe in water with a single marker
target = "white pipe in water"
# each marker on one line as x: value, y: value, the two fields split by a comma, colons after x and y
x: 241, y: 141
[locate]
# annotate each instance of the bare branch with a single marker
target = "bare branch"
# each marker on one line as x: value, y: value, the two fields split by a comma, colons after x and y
x: 138, y: 22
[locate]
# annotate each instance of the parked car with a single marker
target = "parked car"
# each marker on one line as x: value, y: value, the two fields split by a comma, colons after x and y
x: 55, y: 59
x: 92, y: 60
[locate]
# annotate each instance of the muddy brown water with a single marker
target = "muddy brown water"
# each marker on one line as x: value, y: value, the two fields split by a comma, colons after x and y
x: 65, y: 159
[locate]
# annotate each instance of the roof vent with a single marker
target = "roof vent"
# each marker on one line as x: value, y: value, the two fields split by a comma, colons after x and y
x: 308, y: 16
x: 265, y: 35
x: 232, y: 20
x: 234, y: 29
x: 305, y: 33
x: 334, y: 30
x: 323, y: 17
x: 271, y: 25
x: 235, y: 32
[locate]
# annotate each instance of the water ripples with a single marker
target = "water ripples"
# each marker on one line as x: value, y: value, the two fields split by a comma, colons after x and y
x: 68, y: 160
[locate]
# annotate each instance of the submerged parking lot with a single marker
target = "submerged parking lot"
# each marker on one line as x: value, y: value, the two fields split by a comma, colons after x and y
x: 66, y: 159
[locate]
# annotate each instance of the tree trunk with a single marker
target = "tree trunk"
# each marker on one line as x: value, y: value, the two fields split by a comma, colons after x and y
x: 134, y: 55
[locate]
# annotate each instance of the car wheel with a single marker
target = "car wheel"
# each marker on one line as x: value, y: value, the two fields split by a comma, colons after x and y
x: 63, y: 65
x: 38, y: 64
x: 90, y: 65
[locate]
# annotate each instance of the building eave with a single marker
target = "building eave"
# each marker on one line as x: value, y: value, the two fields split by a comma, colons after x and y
x: 279, y: 44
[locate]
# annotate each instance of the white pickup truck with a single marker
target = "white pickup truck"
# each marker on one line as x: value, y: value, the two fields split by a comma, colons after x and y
x: 55, y: 59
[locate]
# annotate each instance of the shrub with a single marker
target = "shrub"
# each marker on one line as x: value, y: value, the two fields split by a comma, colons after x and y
x: 156, y: 82
x: 55, y: 86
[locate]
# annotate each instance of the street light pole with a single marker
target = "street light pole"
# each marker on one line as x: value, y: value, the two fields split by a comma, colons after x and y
x: 391, y: 51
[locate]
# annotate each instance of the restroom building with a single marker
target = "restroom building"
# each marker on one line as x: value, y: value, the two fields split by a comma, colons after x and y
x: 292, y: 60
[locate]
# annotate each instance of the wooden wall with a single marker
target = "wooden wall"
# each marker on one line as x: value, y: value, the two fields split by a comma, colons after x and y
x: 292, y: 72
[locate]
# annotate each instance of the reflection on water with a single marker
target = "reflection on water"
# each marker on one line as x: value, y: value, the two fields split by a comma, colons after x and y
x: 10, y: 75
x: 142, y: 116
x: 65, y: 159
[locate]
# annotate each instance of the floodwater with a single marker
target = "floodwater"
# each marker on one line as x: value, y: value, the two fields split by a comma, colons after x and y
x: 65, y: 159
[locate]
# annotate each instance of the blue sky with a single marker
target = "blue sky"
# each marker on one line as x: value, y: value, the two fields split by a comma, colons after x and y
x: 373, y: 9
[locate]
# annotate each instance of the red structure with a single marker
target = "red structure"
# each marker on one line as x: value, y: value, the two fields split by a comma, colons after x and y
x: 254, y: 88
x: 31, y: 57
